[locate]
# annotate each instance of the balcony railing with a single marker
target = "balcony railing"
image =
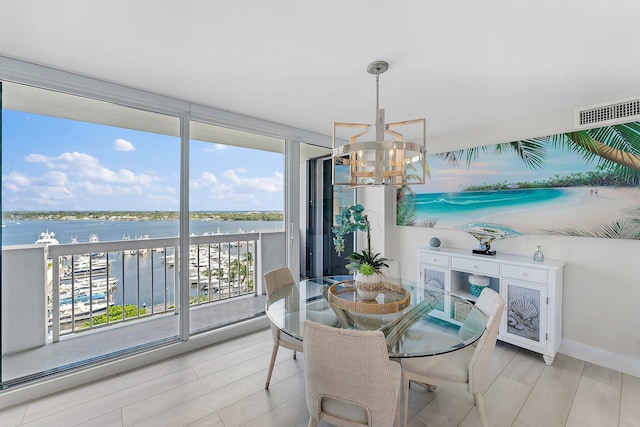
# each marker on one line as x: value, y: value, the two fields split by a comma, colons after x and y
x: 98, y: 284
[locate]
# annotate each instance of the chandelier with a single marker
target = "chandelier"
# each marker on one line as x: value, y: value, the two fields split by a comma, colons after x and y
x: 358, y: 161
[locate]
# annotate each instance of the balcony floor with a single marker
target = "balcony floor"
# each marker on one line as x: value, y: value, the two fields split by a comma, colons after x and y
x: 115, y: 339
x: 223, y: 385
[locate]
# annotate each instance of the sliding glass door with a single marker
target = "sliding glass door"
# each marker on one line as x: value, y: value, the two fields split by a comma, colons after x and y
x: 236, y: 203
x: 131, y: 220
x: 95, y: 185
x: 324, y: 203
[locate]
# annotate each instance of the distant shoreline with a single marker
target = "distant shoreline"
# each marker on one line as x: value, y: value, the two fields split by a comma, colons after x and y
x: 9, y: 216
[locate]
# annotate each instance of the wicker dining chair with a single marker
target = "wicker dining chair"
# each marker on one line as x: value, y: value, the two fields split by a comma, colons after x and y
x: 275, y: 280
x: 469, y: 365
x: 349, y: 378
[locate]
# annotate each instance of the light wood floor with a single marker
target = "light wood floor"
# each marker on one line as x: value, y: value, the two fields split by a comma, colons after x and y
x: 223, y: 385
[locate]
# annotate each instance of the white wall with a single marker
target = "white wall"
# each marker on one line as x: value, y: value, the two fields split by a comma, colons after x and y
x: 601, y: 294
x: 601, y: 288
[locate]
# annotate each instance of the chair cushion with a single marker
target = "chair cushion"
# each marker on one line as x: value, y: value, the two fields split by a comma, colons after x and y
x: 452, y: 366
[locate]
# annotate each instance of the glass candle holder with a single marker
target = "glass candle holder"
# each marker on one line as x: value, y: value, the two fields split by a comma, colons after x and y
x: 538, y: 256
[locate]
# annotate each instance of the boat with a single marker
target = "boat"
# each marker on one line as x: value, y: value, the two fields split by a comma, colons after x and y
x: 169, y: 259
x: 93, y: 238
x: 85, y: 266
x: 99, y: 285
x: 47, y: 238
x: 127, y: 238
x: 143, y: 237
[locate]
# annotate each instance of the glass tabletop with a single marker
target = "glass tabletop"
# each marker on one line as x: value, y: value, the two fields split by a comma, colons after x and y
x: 417, y: 320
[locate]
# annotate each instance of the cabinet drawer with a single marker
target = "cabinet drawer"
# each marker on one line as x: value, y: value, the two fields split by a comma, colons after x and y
x: 477, y: 266
x: 529, y: 274
x: 434, y: 259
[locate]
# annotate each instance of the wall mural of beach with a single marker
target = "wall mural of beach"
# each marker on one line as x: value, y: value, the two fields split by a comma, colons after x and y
x: 583, y: 183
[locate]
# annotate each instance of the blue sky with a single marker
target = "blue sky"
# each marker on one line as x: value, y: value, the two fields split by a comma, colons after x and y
x: 51, y: 163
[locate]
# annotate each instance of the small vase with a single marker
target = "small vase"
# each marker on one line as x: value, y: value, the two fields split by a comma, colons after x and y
x: 538, y: 256
x: 368, y: 287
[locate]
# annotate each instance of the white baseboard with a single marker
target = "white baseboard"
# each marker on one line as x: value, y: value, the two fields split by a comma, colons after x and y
x: 601, y: 357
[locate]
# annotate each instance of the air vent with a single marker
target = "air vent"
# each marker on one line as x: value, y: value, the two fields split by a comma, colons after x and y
x: 614, y: 112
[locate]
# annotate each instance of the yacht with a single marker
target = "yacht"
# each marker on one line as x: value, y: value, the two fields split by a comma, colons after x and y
x: 93, y: 238
x: 47, y: 238
x: 85, y: 266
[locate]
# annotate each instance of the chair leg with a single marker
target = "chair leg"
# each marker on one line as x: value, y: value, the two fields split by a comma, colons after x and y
x: 397, y: 419
x: 477, y: 397
x: 405, y: 398
x: 274, y: 353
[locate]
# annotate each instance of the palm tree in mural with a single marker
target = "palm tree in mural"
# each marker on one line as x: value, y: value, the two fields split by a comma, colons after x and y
x: 615, y: 148
x: 406, y: 212
x: 406, y: 197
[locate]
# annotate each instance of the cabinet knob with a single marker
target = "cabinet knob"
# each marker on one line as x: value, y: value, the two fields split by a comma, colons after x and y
x: 474, y: 266
x: 434, y: 259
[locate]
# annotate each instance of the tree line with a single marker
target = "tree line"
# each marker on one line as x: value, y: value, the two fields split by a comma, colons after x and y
x: 141, y: 215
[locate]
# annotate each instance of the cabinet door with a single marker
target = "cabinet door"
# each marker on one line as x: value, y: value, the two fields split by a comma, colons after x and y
x: 525, y: 317
x: 432, y: 279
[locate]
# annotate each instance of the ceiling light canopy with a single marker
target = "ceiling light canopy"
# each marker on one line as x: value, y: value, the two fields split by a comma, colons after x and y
x: 387, y: 160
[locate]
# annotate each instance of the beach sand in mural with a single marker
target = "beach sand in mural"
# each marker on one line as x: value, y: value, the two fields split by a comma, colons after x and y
x: 585, y: 209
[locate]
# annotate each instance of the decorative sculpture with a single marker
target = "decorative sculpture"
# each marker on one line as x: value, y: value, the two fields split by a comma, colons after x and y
x: 487, y: 233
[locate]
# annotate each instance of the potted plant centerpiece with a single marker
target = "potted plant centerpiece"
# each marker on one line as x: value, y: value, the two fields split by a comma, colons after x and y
x: 365, y: 264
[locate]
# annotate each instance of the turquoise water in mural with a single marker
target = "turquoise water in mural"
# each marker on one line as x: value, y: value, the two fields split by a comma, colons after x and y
x: 456, y: 208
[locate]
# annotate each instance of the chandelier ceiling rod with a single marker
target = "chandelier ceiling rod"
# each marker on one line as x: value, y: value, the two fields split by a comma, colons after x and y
x: 377, y: 68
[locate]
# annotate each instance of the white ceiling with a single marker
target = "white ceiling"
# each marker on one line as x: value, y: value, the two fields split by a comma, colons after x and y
x: 463, y: 64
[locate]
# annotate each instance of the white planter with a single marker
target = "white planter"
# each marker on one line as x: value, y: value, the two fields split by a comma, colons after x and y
x: 368, y: 287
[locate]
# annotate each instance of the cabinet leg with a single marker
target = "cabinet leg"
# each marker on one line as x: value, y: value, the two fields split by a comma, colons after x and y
x: 548, y: 359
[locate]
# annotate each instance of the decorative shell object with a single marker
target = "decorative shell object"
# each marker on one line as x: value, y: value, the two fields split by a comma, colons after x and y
x: 522, y: 314
x: 434, y: 242
x: 524, y: 309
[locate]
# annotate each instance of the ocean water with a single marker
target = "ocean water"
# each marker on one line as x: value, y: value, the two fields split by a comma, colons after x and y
x: 25, y: 232
x: 461, y: 207
x: 133, y: 289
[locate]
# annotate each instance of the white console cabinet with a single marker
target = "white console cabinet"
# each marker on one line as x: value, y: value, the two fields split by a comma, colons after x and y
x: 532, y: 291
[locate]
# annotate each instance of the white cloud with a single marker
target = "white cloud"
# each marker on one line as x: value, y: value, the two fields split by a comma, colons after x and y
x: 56, y: 178
x: 17, y: 180
x: 216, y: 147
x: 55, y: 194
x: 36, y: 158
x: 65, y: 160
x: 209, y: 178
x: 271, y: 184
x: 86, y: 166
x: 8, y: 186
x: 123, y: 145
x: 91, y: 189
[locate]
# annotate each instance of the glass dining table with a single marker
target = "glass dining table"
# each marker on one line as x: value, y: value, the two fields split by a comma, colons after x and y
x: 417, y: 320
